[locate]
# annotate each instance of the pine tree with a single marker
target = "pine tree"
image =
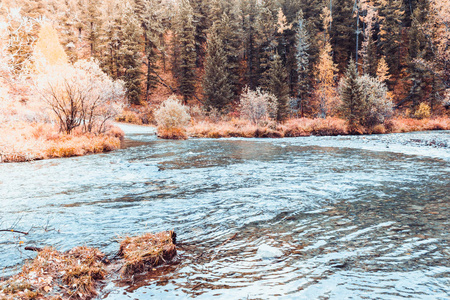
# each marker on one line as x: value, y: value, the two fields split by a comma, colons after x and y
x: 266, y: 35
x: 276, y: 83
x: 185, y: 55
x: 231, y: 37
x: 201, y: 27
x: 342, y: 33
x: 218, y: 91
x: 94, y: 26
x: 250, y: 11
x: 302, y: 59
x: 389, y: 37
x: 420, y: 77
x: 353, y: 105
x: 151, y: 15
x: 131, y: 56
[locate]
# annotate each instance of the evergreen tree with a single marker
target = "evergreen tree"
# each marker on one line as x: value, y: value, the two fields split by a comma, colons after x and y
x: 201, y: 27
x: 353, y: 105
x: 131, y: 56
x: 217, y: 87
x: 231, y: 37
x: 184, y: 51
x: 151, y: 15
x: 266, y: 35
x: 94, y: 26
x: 302, y: 59
x: 420, y: 77
x: 276, y: 83
x: 389, y: 36
x: 342, y: 32
x: 250, y: 10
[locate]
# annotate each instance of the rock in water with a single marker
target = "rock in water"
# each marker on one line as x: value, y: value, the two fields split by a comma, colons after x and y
x: 266, y: 252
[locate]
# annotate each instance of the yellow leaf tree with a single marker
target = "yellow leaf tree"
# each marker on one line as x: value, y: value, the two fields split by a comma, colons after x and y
x: 48, y: 51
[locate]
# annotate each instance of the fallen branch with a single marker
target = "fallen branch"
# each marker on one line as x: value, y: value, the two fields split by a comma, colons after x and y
x: 12, y: 230
x: 33, y: 249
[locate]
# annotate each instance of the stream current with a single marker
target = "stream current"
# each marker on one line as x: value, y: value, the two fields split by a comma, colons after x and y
x: 363, y: 217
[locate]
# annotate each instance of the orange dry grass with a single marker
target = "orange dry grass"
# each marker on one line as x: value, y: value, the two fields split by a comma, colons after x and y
x: 172, y: 133
x: 408, y: 124
x: 56, y: 275
x: 144, y: 252
x: 291, y: 128
x: 22, y: 141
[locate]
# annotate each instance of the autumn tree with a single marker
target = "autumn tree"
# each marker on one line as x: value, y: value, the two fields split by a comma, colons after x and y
x: 48, y: 51
x: 325, y: 71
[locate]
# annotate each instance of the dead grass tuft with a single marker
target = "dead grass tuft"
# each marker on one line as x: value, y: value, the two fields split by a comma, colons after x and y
x: 56, y: 275
x: 144, y: 252
x: 291, y: 128
x: 172, y: 133
x: 409, y: 124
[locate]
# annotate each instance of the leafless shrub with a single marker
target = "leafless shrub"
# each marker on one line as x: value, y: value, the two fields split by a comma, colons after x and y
x: 81, y: 95
x: 258, y: 106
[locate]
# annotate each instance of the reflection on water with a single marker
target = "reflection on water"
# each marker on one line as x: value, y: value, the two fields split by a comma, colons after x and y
x: 351, y: 223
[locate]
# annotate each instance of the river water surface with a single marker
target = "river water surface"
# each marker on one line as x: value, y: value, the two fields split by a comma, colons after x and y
x: 354, y: 217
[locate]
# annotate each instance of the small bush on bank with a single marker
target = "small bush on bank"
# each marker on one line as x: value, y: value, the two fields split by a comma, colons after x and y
x: 172, y: 117
x: 378, y: 105
x: 423, y: 111
x: 258, y: 106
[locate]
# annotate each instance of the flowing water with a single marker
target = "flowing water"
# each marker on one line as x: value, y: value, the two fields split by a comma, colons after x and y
x: 354, y: 217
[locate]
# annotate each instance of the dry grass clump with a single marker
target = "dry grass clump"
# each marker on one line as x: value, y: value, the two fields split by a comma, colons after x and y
x: 291, y: 128
x: 23, y: 141
x: 56, y: 275
x: 306, y: 127
x: 172, y: 117
x: 408, y: 124
x: 144, y: 252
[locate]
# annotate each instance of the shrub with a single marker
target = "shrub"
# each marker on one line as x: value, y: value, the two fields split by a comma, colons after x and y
x: 378, y: 105
x: 257, y: 106
x: 81, y: 95
x: 423, y: 111
x: 172, y: 117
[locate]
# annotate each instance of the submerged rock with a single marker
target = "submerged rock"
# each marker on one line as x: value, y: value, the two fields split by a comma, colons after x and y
x: 266, y: 252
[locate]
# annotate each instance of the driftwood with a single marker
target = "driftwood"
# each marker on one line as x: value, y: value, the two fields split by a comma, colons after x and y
x: 13, y: 230
x: 34, y: 249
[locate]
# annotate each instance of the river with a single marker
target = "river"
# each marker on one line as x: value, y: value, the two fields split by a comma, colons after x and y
x: 354, y: 217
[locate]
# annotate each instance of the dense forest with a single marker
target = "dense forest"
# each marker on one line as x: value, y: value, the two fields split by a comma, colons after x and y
x: 362, y: 61
x: 296, y: 49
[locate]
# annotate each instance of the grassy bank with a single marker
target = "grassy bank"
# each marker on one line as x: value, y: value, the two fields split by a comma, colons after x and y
x: 307, y: 127
x: 24, y: 141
